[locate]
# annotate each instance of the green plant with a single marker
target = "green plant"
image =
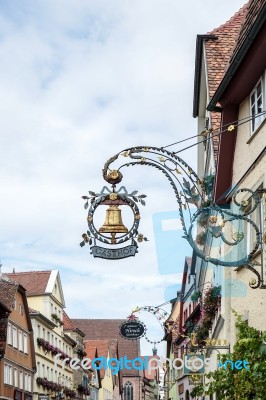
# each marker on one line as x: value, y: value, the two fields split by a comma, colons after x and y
x: 209, y: 306
x: 196, y: 295
x: 244, y: 384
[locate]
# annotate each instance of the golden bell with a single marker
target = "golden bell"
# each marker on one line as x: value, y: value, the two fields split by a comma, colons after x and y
x: 113, y: 221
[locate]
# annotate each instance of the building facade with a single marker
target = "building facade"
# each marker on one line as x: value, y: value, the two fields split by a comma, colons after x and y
x: 229, y: 102
x: 108, y: 329
x: 54, y: 348
x: 17, y: 357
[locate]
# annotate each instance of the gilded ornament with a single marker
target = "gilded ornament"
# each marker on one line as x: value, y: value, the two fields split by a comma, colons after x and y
x: 137, y: 216
x: 161, y: 159
x: 125, y: 153
x: 213, y: 219
x: 252, y: 282
x: 113, y: 196
x: 143, y: 159
x: 244, y: 203
x: 113, y: 174
x: 140, y: 237
x: 237, y: 235
x: 231, y: 128
x: 221, y: 224
x: 178, y: 172
x: 146, y: 149
x: 89, y: 218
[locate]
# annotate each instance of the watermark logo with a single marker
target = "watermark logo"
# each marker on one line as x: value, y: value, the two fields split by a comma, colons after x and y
x: 191, y: 363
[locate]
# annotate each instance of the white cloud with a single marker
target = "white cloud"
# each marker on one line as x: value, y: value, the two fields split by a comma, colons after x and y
x: 80, y: 81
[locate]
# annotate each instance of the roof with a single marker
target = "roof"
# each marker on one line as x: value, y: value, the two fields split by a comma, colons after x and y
x: 69, y: 325
x: 254, y: 7
x: 218, y: 55
x: 253, y: 19
x: 90, y: 350
x: 35, y: 282
x: 103, y: 329
x: 219, y: 51
x: 102, y: 347
x: 8, y: 290
x: 219, y: 45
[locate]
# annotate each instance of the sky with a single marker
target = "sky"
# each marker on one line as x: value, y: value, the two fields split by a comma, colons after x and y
x: 80, y: 81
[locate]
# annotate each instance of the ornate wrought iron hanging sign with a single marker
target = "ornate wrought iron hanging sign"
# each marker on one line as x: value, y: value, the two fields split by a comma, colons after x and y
x: 215, y: 227
x: 113, y: 233
x: 132, y: 329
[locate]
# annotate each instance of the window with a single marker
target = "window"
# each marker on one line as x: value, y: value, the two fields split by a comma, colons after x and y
x: 38, y: 369
x: 128, y: 391
x: 7, y: 374
x: 27, y: 380
x: 29, y: 383
x: 21, y: 380
x: 257, y: 106
x: 15, y: 377
x: 21, y: 308
x: 9, y: 334
x: 39, y: 331
x: 20, y: 347
x: 15, y: 337
x: 25, y: 343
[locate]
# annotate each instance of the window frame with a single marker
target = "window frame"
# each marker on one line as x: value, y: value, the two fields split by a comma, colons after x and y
x: 255, y: 122
x: 20, y: 340
x: 15, y: 337
x: 8, y: 371
x: 128, y: 390
x: 25, y: 343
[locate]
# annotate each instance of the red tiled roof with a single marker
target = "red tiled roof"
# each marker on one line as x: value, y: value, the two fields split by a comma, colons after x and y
x: 35, y: 282
x: 102, y: 347
x: 68, y: 324
x: 218, y: 52
x: 218, y: 55
x: 102, y: 329
x: 90, y: 350
x: 8, y: 290
x: 254, y: 8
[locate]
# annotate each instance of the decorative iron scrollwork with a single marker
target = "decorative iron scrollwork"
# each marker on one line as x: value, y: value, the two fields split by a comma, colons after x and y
x: 209, y: 225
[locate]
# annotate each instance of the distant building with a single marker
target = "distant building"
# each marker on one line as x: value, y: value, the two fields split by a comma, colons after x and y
x: 54, y: 348
x: 151, y: 380
x: 102, y: 329
x: 17, y: 357
x: 81, y: 376
x: 109, y: 386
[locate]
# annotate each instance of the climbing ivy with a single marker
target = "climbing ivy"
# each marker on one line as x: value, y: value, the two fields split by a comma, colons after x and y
x: 244, y: 384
